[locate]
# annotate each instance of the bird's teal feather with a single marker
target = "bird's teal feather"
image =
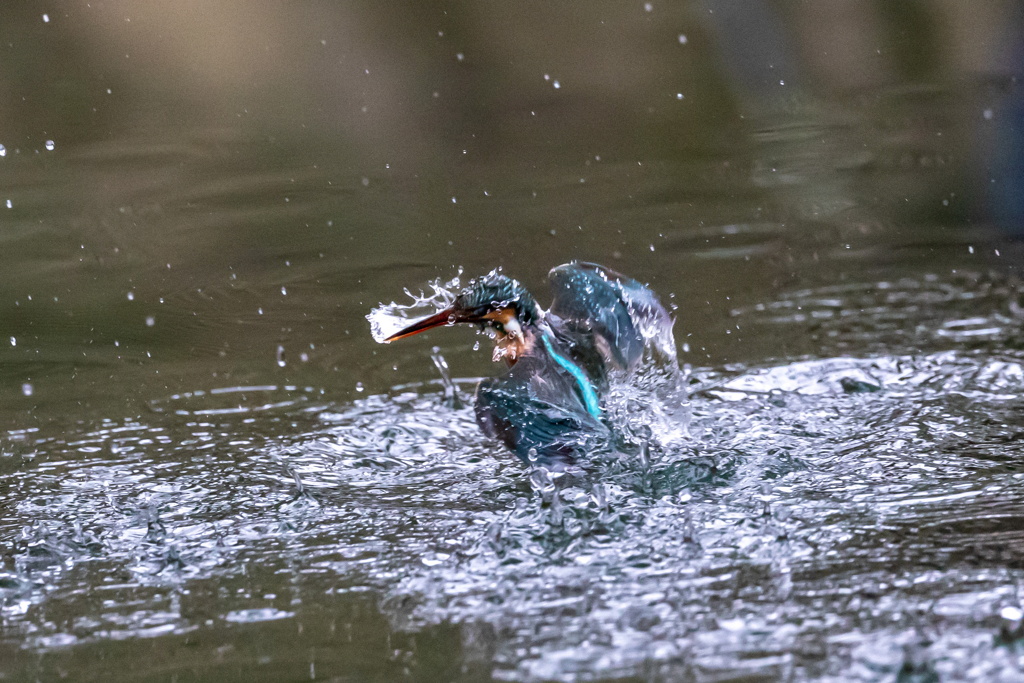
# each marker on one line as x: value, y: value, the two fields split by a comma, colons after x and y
x: 587, y: 391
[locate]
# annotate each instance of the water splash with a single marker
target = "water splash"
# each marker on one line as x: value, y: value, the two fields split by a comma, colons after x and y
x: 717, y: 551
x: 387, y: 319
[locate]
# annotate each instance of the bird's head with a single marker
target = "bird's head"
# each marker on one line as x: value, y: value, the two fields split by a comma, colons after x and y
x: 496, y: 303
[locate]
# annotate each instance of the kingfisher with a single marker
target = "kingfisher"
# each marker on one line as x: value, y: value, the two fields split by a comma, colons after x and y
x: 547, y: 408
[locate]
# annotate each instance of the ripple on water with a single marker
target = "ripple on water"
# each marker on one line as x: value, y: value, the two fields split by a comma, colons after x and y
x: 836, y: 518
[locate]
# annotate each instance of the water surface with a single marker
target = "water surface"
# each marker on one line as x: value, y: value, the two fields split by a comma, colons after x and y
x: 210, y: 471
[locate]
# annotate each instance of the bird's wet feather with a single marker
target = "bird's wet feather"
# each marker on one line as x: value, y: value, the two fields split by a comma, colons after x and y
x: 547, y: 408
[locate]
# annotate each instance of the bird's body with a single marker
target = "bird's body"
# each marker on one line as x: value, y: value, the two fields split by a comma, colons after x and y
x: 547, y: 407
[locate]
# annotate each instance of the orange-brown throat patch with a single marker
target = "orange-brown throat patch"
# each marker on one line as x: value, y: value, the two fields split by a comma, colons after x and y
x: 511, y: 342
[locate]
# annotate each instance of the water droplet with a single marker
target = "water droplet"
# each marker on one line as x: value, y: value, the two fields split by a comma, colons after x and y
x: 280, y: 356
x: 648, y: 7
x: 150, y: 321
x: 683, y: 39
x: 14, y: 341
x: 453, y: 200
x: 9, y: 205
x: 46, y: 18
x: 459, y: 56
x: 27, y: 389
x: 547, y: 77
x: 988, y: 114
x: 131, y: 296
x: 260, y: 310
x: 679, y: 95
x: 557, y: 85
x: 49, y: 145
x: 3, y: 151
x: 359, y: 386
x: 284, y: 291
x: 366, y: 182
x: 304, y: 357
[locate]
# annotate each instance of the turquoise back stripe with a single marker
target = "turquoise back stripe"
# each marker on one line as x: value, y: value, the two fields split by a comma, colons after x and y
x: 586, y: 388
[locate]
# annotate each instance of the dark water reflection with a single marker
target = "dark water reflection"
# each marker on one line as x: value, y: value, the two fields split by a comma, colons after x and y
x: 210, y: 472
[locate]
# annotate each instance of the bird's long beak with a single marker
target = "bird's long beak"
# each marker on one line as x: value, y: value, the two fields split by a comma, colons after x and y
x: 445, y: 317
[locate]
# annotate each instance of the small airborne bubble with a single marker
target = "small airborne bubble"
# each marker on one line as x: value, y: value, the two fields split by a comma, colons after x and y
x: 3, y: 151
x: 131, y: 296
x: 280, y: 356
x: 49, y: 145
x: 14, y: 341
x: 359, y: 387
x: 27, y: 389
x: 150, y: 321
x: 9, y: 204
x: 284, y: 291
x: 557, y: 85
x: 46, y: 18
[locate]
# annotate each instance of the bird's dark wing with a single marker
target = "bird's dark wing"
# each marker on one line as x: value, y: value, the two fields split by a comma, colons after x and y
x: 542, y: 424
x: 624, y: 317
